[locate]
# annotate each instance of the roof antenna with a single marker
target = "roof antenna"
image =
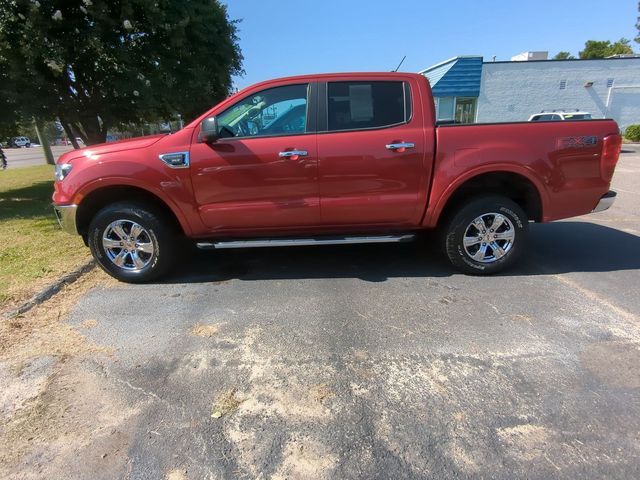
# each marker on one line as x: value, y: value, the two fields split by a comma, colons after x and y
x: 399, y: 64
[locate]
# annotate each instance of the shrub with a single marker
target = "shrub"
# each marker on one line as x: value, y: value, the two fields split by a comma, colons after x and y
x: 632, y: 133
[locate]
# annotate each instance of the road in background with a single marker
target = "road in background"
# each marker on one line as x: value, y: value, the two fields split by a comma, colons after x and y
x: 28, y: 157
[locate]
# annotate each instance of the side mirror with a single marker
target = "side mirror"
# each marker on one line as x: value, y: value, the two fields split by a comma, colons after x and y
x: 208, y: 130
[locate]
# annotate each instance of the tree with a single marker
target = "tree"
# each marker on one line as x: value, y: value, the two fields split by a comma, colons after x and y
x: 98, y: 63
x: 638, y: 25
x: 604, y: 48
x: 9, y: 116
x: 563, y: 56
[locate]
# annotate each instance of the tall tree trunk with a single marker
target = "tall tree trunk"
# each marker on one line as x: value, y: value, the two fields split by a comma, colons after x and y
x: 70, y: 134
x: 95, y: 131
x: 44, y: 140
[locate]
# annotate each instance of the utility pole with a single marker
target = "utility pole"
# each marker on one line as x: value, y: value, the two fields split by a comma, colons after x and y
x: 44, y: 141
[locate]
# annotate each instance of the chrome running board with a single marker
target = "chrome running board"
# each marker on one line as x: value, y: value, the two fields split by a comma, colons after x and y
x: 297, y: 242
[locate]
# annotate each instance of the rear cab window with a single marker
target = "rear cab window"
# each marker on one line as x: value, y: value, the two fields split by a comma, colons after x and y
x: 545, y: 118
x: 361, y: 105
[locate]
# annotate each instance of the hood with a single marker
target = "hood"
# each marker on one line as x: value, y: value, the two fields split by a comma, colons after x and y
x: 111, y: 147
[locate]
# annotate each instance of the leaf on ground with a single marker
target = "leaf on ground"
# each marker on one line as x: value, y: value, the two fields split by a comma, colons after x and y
x: 204, y: 330
x: 228, y: 402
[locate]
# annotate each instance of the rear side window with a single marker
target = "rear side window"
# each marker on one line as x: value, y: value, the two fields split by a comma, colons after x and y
x: 362, y: 105
x: 580, y: 116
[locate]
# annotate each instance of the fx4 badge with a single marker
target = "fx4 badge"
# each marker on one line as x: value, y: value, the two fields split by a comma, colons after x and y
x: 576, y: 142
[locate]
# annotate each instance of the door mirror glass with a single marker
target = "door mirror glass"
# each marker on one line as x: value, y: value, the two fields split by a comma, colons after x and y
x: 209, y: 130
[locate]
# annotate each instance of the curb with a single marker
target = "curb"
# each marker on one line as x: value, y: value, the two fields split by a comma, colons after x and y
x: 51, y: 290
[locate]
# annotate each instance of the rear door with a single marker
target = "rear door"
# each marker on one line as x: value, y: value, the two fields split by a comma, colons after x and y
x: 372, y: 151
x: 262, y: 172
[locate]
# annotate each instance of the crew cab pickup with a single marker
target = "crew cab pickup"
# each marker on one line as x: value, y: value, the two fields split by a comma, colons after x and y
x: 328, y: 159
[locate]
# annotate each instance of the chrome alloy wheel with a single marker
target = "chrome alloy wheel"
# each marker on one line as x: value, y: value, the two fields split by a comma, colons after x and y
x: 128, y: 245
x: 489, y: 237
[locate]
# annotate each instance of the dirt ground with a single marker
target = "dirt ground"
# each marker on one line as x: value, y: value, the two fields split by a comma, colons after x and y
x: 52, y: 410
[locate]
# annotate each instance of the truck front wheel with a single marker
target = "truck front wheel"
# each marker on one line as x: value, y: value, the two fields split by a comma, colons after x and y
x: 486, y: 235
x: 131, y: 242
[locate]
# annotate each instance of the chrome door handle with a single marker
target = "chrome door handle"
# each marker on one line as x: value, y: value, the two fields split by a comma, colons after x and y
x: 397, y: 146
x: 293, y: 153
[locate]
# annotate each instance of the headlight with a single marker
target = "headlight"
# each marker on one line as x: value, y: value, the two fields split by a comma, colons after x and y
x: 62, y: 170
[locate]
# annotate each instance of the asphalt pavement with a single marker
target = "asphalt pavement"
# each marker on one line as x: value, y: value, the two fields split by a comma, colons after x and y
x: 377, y: 361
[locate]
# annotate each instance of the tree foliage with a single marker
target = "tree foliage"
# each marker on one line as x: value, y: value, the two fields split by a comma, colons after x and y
x: 638, y: 25
x: 563, y: 56
x: 633, y: 133
x: 9, y: 115
x: 605, y: 48
x: 98, y: 63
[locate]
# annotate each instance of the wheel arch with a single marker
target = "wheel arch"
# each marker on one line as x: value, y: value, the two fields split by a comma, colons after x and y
x: 100, y: 197
x: 515, y: 185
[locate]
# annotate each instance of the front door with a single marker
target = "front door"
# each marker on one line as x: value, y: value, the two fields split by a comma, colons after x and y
x: 262, y: 171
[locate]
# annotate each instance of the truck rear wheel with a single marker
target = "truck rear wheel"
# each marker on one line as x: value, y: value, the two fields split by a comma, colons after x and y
x: 486, y: 235
x: 131, y: 242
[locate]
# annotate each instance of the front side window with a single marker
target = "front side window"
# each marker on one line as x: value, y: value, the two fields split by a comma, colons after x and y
x: 362, y: 105
x: 272, y: 112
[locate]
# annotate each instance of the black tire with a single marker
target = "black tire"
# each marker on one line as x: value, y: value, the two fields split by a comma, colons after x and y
x: 460, y: 225
x: 157, y: 231
x: 28, y: 145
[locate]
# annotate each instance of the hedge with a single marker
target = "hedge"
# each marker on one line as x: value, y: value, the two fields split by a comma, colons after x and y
x: 632, y: 133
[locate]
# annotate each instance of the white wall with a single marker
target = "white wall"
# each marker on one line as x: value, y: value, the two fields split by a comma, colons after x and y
x: 512, y: 91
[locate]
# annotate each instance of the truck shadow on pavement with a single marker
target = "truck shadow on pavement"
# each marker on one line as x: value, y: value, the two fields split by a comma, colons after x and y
x: 553, y: 248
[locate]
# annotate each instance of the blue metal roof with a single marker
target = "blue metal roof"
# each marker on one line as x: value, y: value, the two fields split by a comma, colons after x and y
x: 456, y: 77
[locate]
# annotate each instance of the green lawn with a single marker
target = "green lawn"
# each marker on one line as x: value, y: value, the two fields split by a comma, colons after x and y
x: 33, y: 249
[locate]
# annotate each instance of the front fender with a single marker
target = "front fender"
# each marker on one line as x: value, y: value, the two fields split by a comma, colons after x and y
x: 171, y: 186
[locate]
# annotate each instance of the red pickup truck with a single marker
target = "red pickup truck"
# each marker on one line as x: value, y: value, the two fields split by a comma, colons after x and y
x: 329, y: 159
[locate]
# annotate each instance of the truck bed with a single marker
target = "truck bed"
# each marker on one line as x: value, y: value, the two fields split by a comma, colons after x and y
x: 561, y: 159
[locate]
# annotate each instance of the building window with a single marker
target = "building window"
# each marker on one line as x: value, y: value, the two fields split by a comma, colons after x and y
x: 563, y: 84
x: 466, y: 109
x: 445, y: 108
x: 609, y: 82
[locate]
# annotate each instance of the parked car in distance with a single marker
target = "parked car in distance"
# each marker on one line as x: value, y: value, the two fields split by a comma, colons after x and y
x: 332, y: 159
x: 559, y: 115
x: 19, y: 142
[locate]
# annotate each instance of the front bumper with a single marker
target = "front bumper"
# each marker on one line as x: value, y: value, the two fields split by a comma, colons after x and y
x: 605, y: 202
x: 66, y: 215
